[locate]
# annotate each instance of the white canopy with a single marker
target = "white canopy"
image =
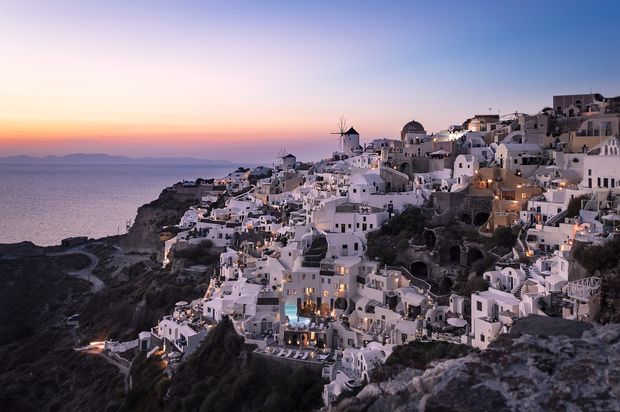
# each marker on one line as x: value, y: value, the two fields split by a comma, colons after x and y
x: 458, y: 322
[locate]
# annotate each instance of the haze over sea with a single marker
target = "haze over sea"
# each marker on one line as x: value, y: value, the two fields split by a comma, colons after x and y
x: 47, y: 203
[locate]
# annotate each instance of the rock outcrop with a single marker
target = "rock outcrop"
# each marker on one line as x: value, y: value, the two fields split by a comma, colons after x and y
x: 573, y: 366
x: 167, y: 210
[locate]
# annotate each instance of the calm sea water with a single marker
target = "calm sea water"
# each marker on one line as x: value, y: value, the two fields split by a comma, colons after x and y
x: 47, y: 203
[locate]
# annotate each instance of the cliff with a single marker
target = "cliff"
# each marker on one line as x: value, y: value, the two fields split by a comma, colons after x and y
x: 144, y: 235
x: 572, y: 367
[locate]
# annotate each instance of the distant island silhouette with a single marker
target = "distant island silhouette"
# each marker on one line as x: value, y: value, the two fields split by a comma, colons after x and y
x: 100, y: 158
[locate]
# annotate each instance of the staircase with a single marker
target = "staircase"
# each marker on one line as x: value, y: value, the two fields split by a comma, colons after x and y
x: 518, y: 290
x: 555, y: 219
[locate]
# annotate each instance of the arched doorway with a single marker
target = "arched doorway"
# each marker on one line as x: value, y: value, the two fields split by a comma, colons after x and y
x: 419, y: 269
x: 340, y: 303
x: 445, y: 285
x: 481, y: 218
x: 474, y: 255
x: 404, y: 167
x: 429, y: 238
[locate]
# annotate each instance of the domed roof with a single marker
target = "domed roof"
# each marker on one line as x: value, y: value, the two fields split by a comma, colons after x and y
x: 413, y: 127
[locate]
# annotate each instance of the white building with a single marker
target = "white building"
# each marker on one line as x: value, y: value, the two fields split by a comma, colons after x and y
x: 600, y: 167
x: 492, y: 313
x: 519, y: 158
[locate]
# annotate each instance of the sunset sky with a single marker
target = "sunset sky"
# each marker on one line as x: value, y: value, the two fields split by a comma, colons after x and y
x: 239, y: 80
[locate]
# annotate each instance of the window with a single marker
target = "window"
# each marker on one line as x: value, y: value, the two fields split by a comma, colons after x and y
x: 355, y: 246
x: 349, y: 225
x: 481, y: 337
x: 479, y: 306
x: 589, y: 172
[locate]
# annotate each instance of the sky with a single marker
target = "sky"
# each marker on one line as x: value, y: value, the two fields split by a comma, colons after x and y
x: 240, y: 81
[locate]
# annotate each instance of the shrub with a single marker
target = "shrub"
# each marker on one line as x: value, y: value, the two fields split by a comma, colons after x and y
x: 504, y: 236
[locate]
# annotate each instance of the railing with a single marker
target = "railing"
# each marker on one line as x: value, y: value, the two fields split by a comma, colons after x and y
x: 443, y: 300
x: 556, y: 218
x: 582, y: 289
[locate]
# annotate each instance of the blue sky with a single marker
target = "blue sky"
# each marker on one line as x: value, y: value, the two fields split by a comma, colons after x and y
x: 240, y: 79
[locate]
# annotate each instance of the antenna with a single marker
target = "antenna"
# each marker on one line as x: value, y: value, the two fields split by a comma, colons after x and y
x: 342, y: 129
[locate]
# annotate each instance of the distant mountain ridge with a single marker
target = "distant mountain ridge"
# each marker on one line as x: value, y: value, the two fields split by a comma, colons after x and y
x: 98, y: 158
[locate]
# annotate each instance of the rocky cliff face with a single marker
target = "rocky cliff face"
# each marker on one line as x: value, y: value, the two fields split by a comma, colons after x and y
x: 143, y: 237
x: 574, y: 366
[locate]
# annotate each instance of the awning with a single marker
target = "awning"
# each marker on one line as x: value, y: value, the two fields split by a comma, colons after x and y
x: 457, y: 322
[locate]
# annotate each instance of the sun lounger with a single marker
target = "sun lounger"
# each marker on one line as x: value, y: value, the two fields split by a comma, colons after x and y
x: 295, y: 354
x: 281, y: 352
x: 305, y: 356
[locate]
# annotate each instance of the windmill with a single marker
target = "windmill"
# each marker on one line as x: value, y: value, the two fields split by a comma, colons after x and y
x: 342, y: 127
x: 280, y: 156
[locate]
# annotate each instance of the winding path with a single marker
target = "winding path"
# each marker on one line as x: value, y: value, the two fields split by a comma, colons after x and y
x: 97, y: 350
x: 85, y: 273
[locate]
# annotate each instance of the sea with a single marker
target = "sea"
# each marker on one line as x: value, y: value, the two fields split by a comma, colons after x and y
x: 47, y: 203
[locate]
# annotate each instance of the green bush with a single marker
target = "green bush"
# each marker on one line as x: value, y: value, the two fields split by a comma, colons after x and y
x: 411, y: 220
x: 504, y: 236
x: 594, y: 258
